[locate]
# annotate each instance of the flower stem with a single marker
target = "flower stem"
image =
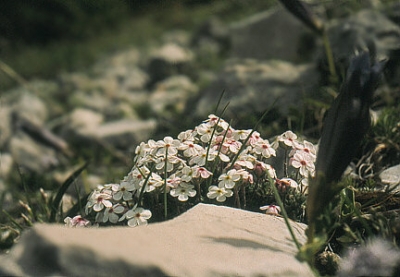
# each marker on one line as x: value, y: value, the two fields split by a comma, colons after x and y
x: 165, y: 184
x: 284, y: 214
x: 144, y: 184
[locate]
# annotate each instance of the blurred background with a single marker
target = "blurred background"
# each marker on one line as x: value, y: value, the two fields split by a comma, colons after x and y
x: 46, y: 37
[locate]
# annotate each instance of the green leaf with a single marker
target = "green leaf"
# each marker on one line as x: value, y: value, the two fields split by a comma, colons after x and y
x: 55, y: 203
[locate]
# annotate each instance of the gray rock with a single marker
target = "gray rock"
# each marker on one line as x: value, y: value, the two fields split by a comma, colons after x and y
x: 6, y: 162
x: 84, y: 120
x: 128, y: 58
x: 211, y: 38
x: 135, y: 79
x: 273, y: 34
x: 253, y: 86
x: 5, y: 125
x: 32, y: 156
x: 126, y: 73
x: 26, y: 104
x: 205, y: 241
x: 392, y: 11
x: 179, y: 37
x: 391, y: 177
x: 170, y: 59
x: 88, y: 128
x: 172, y: 94
x: 95, y: 100
x: 72, y: 82
x: 367, y: 29
x: 81, y: 124
x: 125, y: 133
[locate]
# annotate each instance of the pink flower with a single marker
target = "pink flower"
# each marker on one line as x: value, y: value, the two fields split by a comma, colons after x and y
x: 254, y: 138
x: 303, y: 162
x: 288, y: 138
x: 202, y: 172
x: 284, y: 183
x: 231, y: 145
x: 271, y: 209
x: 76, y: 221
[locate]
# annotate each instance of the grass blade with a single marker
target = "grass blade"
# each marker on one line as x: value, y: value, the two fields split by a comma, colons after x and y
x: 55, y: 203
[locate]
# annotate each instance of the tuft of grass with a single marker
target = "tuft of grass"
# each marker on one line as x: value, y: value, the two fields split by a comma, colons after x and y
x: 37, y: 206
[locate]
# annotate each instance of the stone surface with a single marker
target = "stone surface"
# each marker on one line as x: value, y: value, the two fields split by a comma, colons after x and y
x: 367, y: 29
x: 273, y: 34
x: 172, y: 94
x: 212, y: 38
x: 207, y: 240
x: 32, y: 156
x: 252, y: 87
x: 391, y: 177
x: 170, y: 59
x: 124, y: 133
x: 5, y: 125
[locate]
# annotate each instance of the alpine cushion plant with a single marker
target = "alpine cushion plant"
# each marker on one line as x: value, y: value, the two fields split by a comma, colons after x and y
x: 211, y: 163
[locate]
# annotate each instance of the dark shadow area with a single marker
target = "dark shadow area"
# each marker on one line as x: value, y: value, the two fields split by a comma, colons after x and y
x: 243, y: 243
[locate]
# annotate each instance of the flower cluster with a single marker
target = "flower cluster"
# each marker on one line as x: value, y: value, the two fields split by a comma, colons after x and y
x: 212, y: 162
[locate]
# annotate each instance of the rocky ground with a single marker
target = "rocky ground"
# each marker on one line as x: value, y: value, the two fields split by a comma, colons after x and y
x: 49, y: 126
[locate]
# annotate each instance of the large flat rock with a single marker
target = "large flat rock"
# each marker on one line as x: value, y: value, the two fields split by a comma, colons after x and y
x: 207, y: 240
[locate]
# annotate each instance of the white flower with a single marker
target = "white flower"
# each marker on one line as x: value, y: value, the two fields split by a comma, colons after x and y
x: 213, y: 119
x: 171, y: 161
x: 142, y: 149
x: 262, y: 147
x: 173, y: 182
x: 271, y: 209
x: 155, y: 181
x: 288, y: 138
x: 123, y: 191
x: 304, y: 186
x: 112, y: 213
x: 186, y: 136
x: 138, y: 176
x: 304, y: 162
x: 99, y: 200
x: 231, y: 145
x: 241, y: 134
x: 190, y: 148
x: 200, y: 159
x: 76, y: 221
x: 308, y: 148
x: 246, y: 160
x: 205, y: 131
x: 220, y: 193
x: 136, y: 217
x: 169, y: 145
x: 188, y: 173
x: 229, y: 179
x: 246, y: 176
x: 183, y: 191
